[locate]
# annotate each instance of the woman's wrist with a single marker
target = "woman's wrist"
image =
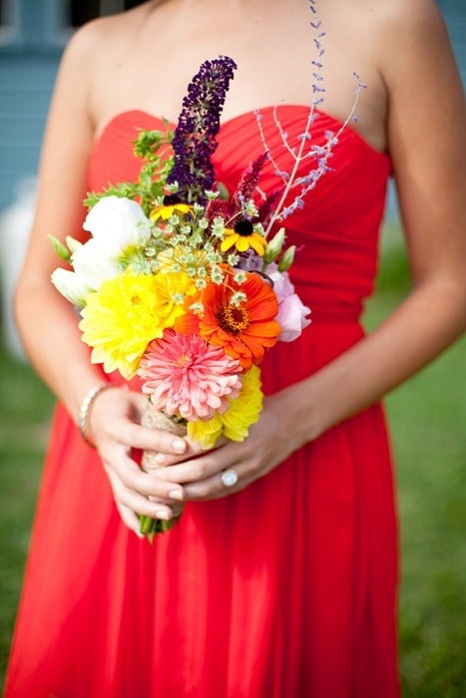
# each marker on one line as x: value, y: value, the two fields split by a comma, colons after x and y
x: 85, y: 411
x: 298, y: 404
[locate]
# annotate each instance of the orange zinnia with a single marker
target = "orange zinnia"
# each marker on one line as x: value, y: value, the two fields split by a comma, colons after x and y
x: 244, y: 331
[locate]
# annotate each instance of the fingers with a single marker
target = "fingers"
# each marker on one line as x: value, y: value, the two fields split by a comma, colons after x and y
x: 156, y: 505
x: 130, y: 519
x: 192, y: 450
x: 194, y: 469
x: 116, y: 417
x: 201, y: 477
x: 131, y: 477
x: 214, y: 488
x: 116, y: 431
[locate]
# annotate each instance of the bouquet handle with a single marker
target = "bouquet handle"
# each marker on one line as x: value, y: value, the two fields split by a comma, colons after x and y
x: 154, y: 419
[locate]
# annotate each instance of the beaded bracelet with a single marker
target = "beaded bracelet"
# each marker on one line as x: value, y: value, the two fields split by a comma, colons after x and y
x: 85, y: 409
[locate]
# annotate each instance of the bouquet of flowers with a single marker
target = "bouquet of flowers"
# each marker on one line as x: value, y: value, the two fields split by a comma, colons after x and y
x: 185, y: 285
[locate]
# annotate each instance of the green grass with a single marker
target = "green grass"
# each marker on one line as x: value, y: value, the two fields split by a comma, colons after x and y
x: 428, y: 418
x: 25, y: 408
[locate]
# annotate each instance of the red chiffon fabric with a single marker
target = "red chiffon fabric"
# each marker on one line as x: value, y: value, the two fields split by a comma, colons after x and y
x: 285, y: 590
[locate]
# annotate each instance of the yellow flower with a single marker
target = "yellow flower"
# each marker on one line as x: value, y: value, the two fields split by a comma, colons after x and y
x: 166, y: 211
x: 206, y: 433
x: 119, y: 321
x: 171, y: 289
x: 243, y: 236
x: 235, y: 422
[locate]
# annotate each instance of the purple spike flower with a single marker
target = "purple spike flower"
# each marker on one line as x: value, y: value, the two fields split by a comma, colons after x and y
x: 194, y: 141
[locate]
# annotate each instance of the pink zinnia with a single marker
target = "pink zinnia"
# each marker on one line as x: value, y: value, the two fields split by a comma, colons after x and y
x: 186, y: 376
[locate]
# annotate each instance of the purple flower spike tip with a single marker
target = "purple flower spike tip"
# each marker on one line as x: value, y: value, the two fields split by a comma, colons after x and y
x: 194, y: 141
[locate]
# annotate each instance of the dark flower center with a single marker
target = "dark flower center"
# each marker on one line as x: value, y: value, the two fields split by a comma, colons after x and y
x: 244, y: 227
x: 233, y: 320
x: 171, y: 199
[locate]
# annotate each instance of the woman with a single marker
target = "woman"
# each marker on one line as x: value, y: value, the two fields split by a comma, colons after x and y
x: 284, y: 582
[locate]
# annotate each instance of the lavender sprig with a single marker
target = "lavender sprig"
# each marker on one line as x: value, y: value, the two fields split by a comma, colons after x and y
x: 300, y: 153
x: 194, y: 141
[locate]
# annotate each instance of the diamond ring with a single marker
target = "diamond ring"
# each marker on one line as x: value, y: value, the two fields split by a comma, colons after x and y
x: 229, y: 478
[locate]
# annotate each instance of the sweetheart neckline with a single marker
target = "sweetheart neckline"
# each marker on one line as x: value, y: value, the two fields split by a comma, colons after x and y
x: 247, y: 114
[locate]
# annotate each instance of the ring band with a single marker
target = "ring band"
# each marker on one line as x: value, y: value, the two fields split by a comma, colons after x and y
x: 229, y: 478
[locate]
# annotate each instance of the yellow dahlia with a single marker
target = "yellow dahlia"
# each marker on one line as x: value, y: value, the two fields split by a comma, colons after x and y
x: 119, y: 321
x: 234, y: 423
x: 171, y: 290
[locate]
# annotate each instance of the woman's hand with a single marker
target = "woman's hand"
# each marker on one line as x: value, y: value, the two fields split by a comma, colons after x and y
x: 116, y: 429
x: 271, y: 440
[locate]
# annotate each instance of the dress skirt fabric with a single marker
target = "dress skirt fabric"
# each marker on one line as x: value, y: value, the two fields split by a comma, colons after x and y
x: 284, y: 590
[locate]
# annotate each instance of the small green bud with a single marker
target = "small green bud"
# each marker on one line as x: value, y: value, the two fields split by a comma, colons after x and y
x: 62, y: 251
x: 223, y: 191
x: 288, y: 258
x: 274, y: 247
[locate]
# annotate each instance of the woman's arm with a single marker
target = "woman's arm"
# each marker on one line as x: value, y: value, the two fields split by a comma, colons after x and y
x: 426, y: 130
x: 47, y: 323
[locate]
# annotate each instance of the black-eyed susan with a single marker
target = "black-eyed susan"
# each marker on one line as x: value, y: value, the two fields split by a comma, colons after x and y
x: 243, y: 236
x: 171, y: 205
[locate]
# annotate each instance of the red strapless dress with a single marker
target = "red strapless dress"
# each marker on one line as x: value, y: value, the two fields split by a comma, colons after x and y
x: 285, y: 590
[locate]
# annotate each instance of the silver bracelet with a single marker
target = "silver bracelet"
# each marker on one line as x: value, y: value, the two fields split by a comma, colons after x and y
x: 85, y: 410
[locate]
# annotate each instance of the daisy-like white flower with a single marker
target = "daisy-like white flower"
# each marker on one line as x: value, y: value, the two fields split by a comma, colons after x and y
x: 185, y: 376
x: 243, y: 236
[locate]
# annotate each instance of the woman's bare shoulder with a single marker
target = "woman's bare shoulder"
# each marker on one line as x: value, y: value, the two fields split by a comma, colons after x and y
x: 398, y: 14
x: 404, y: 22
x: 99, y: 40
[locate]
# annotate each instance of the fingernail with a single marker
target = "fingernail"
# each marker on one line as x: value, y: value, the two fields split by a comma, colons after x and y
x: 162, y: 515
x: 179, y: 445
x: 176, y: 494
x: 160, y: 458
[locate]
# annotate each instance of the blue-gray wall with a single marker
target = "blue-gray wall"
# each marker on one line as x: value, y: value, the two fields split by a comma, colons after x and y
x: 28, y: 67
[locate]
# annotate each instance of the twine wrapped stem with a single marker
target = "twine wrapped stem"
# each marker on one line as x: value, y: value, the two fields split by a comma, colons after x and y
x: 154, y: 419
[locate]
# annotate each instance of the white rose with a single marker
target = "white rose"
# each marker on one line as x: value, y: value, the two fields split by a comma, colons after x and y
x: 92, y: 264
x: 71, y: 286
x: 117, y: 223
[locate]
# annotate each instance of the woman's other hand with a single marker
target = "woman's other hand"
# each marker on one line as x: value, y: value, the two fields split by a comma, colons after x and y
x: 270, y: 442
x: 115, y: 426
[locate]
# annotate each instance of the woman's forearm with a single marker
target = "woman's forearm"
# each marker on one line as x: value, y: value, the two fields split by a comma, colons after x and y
x: 427, y: 322
x: 48, y: 326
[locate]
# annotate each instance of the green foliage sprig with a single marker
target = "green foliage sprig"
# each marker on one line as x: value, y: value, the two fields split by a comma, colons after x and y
x: 150, y: 184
